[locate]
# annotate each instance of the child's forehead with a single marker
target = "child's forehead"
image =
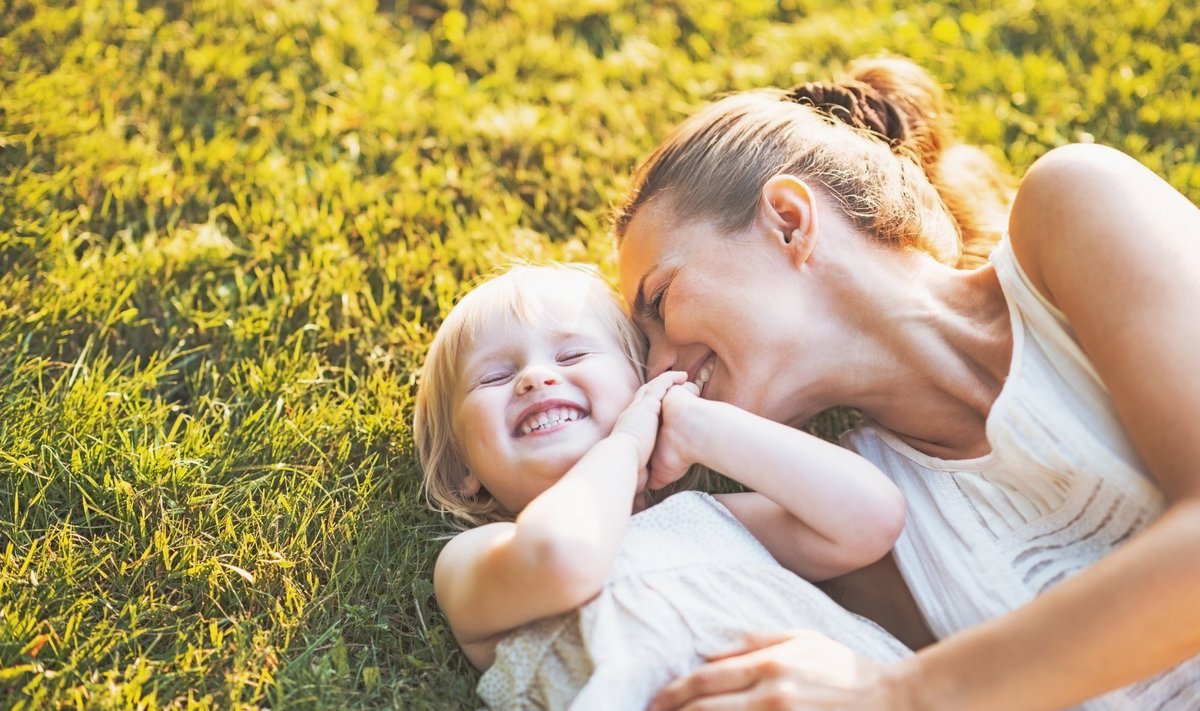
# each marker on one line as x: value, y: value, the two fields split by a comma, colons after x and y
x: 544, y: 320
x: 530, y: 304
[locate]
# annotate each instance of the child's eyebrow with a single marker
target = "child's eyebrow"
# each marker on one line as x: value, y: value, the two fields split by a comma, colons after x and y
x: 581, y: 338
x: 486, y: 353
x: 564, y: 334
x: 480, y: 358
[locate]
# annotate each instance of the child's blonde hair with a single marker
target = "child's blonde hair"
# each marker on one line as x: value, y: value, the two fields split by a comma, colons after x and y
x: 504, y: 298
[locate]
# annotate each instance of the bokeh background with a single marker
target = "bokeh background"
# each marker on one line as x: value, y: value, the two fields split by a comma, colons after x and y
x: 228, y: 230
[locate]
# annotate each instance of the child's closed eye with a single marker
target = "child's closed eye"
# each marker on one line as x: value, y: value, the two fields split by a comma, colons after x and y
x: 498, y: 377
x: 573, y: 356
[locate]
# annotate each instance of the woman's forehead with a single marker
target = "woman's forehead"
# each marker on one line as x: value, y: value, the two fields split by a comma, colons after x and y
x: 657, y: 238
x: 643, y: 243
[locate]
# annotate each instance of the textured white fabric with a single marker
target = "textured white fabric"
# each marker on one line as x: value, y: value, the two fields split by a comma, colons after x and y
x: 690, y: 581
x: 1061, y: 488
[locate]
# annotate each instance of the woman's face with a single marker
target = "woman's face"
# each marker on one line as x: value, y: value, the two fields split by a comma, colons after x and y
x: 725, y: 307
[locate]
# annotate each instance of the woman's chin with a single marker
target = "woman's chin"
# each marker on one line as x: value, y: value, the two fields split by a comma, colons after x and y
x: 734, y: 396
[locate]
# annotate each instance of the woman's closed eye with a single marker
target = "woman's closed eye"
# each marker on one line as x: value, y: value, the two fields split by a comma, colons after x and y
x: 656, y: 302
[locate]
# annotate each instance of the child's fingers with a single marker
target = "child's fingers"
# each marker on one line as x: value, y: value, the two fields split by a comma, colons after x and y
x: 657, y: 387
x: 670, y: 377
x: 689, y: 386
x: 641, y: 417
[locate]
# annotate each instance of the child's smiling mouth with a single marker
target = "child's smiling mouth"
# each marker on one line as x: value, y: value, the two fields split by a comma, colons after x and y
x: 547, y: 417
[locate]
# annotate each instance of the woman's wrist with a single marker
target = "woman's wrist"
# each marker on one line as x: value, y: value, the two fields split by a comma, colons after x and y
x: 903, y: 685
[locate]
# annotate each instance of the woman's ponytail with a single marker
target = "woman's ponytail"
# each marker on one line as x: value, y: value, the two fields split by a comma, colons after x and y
x: 976, y: 191
x: 900, y: 104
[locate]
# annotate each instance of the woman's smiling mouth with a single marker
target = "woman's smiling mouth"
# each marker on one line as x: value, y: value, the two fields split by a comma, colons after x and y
x: 704, y: 374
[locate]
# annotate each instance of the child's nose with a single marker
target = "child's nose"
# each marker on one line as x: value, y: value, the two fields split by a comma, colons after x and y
x: 536, y: 377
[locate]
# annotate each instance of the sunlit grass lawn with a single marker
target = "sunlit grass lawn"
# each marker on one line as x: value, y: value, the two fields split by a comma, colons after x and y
x: 227, y: 232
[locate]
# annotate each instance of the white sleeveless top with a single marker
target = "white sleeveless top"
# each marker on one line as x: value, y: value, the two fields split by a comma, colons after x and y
x: 689, y: 581
x: 1061, y: 488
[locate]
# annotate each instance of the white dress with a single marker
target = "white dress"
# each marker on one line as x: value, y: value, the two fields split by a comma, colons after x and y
x: 1061, y: 488
x: 689, y: 581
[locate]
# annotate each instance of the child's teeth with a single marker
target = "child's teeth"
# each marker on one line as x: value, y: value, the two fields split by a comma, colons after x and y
x: 549, y: 418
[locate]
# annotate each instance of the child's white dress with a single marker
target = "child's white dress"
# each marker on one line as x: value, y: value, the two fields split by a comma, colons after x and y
x: 689, y: 581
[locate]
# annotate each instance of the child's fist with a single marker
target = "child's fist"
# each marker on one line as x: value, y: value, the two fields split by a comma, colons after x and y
x: 641, y: 419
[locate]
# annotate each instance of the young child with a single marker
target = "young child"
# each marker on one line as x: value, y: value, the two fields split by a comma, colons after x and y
x: 533, y: 425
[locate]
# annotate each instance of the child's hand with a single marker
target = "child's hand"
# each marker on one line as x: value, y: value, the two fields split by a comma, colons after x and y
x: 640, y: 420
x: 673, y: 452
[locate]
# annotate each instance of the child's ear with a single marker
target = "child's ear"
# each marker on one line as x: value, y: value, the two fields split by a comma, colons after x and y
x: 470, y: 485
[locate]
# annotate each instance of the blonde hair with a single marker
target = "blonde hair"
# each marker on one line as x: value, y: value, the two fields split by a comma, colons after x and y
x: 879, y: 143
x: 507, y: 298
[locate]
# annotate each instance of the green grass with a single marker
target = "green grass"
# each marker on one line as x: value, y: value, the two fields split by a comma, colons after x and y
x: 228, y: 230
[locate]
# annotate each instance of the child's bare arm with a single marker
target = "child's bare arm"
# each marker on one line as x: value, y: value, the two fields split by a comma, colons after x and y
x: 497, y: 577
x: 820, y: 509
x: 558, y: 552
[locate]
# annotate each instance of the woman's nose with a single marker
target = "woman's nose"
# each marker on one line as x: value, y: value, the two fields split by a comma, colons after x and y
x: 659, y: 359
x: 536, y: 376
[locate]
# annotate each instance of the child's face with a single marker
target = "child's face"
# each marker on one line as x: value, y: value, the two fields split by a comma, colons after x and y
x: 532, y: 399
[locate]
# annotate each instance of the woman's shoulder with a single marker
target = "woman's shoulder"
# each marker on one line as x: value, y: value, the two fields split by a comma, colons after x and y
x: 1048, y: 213
x: 1084, y: 212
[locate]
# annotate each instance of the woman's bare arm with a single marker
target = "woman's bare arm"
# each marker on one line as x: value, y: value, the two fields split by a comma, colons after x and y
x: 1118, y: 251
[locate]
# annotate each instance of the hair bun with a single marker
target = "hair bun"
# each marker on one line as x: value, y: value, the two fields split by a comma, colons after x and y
x: 857, y: 104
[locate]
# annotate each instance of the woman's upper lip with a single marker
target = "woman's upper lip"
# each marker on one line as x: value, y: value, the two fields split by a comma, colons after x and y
x: 694, y: 370
x: 543, y: 405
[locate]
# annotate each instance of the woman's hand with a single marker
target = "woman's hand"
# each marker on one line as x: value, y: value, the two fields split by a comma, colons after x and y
x: 675, y: 449
x: 801, y: 669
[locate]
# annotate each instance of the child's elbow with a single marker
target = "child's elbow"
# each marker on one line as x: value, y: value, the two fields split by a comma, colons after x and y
x: 891, y: 519
x: 880, y: 525
x: 571, y: 572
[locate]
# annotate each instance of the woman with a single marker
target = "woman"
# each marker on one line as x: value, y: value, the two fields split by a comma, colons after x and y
x: 1038, y: 411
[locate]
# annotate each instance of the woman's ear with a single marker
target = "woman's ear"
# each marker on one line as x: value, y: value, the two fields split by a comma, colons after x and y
x: 788, y: 211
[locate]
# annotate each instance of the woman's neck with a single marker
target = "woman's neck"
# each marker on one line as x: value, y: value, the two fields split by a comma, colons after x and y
x: 933, y: 349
